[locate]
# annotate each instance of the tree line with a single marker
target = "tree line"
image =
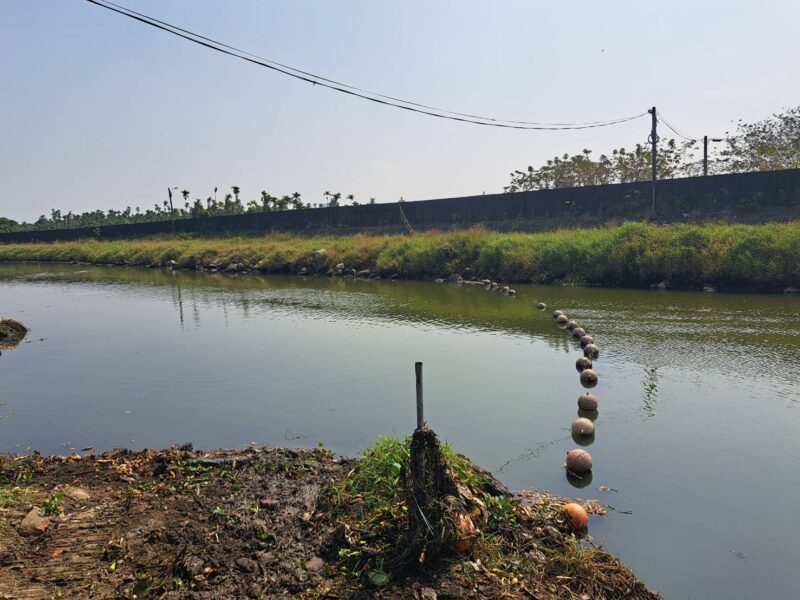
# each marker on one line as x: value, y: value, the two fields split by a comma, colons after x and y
x: 771, y: 144
x: 173, y: 209
x: 767, y: 145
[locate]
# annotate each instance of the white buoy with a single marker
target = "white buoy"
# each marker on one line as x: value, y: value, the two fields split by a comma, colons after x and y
x: 582, y: 426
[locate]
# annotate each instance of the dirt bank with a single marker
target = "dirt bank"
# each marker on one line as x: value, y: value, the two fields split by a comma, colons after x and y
x: 258, y: 523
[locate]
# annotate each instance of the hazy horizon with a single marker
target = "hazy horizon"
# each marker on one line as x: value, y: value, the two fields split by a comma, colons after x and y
x: 106, y: 113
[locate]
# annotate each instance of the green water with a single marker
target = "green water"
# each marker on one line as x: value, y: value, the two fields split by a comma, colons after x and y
x: 697, y: 427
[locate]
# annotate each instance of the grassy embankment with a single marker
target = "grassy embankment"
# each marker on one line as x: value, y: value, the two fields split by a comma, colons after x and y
x: 755, y: 257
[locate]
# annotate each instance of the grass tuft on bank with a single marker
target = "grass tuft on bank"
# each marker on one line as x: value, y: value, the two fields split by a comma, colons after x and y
x: 521, y: 548
x: 736, y: 257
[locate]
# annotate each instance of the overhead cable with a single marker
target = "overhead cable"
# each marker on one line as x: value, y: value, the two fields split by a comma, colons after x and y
x: 675, y: 130
x: 348, y: 89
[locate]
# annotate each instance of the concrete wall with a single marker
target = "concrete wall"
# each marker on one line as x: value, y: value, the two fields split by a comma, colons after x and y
x: 747, y: 197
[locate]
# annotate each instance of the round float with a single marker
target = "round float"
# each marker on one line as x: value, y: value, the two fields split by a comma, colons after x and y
x: 579, y: 461
x: 588, y: 378
x: 591, y: 350
x: 587, y: 401
x: 582, y: 427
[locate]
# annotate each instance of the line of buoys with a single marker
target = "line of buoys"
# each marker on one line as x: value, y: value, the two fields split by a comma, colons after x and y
x: 579, y: 462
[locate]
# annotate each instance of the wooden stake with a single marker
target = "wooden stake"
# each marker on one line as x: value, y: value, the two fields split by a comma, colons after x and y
x: 420, y: 416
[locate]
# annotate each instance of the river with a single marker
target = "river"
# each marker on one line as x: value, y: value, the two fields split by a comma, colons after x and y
x: 696, y: 431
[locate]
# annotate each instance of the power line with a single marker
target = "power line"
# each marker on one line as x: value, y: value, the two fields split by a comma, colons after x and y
x: 347, y: 89
x: 351, y: 87
x: 674, y: 129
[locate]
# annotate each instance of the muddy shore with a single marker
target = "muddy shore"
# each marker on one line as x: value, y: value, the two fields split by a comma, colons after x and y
x: 251, y: 523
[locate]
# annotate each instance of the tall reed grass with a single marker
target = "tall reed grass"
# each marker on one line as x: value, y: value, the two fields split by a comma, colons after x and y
x: 756, y: 257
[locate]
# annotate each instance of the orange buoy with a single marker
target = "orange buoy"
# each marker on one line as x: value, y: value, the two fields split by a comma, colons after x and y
x: 587, y: 401
x: 579, y: 461
x: 578, y: 517
x: 588, y: 378
x: 583, y: 363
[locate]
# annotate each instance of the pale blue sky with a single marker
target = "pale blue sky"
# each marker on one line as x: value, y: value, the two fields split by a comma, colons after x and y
x: 101, y: 112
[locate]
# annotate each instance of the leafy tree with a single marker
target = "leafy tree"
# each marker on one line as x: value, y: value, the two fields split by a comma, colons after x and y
x: 621, y: 166
x: 767, y: 145
x: 8, y: 225
x: 333, y: 199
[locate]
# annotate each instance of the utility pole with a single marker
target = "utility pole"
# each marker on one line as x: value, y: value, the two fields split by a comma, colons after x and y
x: 654, y: 142
x: 705, y: 152
x: 171, y: 209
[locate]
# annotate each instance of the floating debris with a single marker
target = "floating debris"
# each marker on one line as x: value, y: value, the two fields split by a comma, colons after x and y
x: 11, y: 333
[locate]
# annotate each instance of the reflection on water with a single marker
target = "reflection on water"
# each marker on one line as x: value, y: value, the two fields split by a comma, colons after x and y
x: 650, y: 390
x: 697, y: 397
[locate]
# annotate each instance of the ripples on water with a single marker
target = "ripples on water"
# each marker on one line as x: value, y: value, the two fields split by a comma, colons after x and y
x: 698, y: 392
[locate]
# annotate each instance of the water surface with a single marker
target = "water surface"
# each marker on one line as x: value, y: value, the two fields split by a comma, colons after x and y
x: 697, y: 428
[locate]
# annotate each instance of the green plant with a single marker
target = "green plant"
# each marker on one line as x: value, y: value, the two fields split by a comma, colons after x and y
x: 51, y: 505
